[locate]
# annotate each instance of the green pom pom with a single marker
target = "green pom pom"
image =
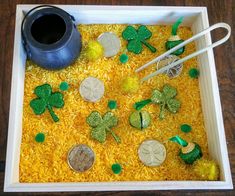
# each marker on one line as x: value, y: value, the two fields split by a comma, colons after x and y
x: 112, y: 104
x: 185, y: 128
x: 116, y: 168
x: 123, y: 58
x: 193, y: 73
x: 64, y: 86
x: 40, y: 137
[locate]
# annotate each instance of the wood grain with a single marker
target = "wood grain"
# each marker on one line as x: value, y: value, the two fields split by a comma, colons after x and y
x: 218, y: 10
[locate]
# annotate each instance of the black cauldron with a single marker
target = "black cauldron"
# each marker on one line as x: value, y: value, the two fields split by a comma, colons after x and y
x: 50, y: 37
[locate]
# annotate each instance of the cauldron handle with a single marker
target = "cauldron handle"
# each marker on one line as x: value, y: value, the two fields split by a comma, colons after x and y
x: 30, y: 11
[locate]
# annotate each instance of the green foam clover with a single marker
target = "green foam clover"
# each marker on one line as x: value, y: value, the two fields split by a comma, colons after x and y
x: 46, y: 99
x: 102, y: 125
x: 136, y: 38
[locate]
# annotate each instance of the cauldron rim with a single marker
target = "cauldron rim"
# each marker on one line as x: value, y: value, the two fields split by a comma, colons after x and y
x: 48, y: 11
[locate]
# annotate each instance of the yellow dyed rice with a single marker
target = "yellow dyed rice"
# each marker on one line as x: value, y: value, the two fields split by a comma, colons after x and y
x: 47, y: 162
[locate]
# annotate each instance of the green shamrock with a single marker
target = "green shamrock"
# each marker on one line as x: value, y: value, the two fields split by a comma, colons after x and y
x: 164, y: 98
x: 100, y: 126
x: 46, y: 99
x: 136, y: 38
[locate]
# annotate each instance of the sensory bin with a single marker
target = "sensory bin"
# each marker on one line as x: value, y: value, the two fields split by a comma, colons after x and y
x: 46, y: 160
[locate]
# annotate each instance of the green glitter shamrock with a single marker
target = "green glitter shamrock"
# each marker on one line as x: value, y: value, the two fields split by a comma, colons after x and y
x: 164, y: 98
x: 46, y: 99
x: 100, y: 126
x: 136, y: 38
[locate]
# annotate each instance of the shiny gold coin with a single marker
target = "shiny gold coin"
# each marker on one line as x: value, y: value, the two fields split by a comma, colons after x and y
x: 81, y: 158
x: 110, y: 42
x: 174, y: 71
x: 91, y: 89
x: 152, y: 153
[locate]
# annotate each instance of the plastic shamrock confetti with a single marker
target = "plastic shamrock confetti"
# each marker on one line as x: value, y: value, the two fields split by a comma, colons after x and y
x: 190, y: 152
x: 46, y: 99
x: 175, y: 40
x: 136, y: 38
x: 165, y: 99
x: 101, y: 126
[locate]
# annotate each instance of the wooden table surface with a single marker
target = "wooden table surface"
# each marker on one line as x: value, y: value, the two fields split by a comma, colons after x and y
x: 218, y: 11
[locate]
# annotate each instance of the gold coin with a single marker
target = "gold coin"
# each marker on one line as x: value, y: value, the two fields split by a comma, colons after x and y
x: 81, y: 158
x: 174, y: 71
x: 91, y: 89
x: 110, y: 42
x: 152, y: 153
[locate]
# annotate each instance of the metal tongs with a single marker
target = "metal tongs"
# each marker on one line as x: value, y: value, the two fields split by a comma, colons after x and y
x: 163, y: 69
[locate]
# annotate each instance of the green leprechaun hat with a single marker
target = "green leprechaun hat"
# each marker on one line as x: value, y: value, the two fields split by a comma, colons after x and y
x: 189, y: 152
x: 174, y: 39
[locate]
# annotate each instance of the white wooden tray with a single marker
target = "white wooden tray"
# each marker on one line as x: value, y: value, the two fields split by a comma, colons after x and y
x: 197, y: 19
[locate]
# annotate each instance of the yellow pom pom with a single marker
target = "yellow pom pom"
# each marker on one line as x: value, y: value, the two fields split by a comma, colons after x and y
x: 94, y: 50
x: 130, y: 84
x: 206, y: 169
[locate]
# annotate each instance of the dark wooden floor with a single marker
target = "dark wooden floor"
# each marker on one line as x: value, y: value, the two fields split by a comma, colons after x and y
x: 218, y: 10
